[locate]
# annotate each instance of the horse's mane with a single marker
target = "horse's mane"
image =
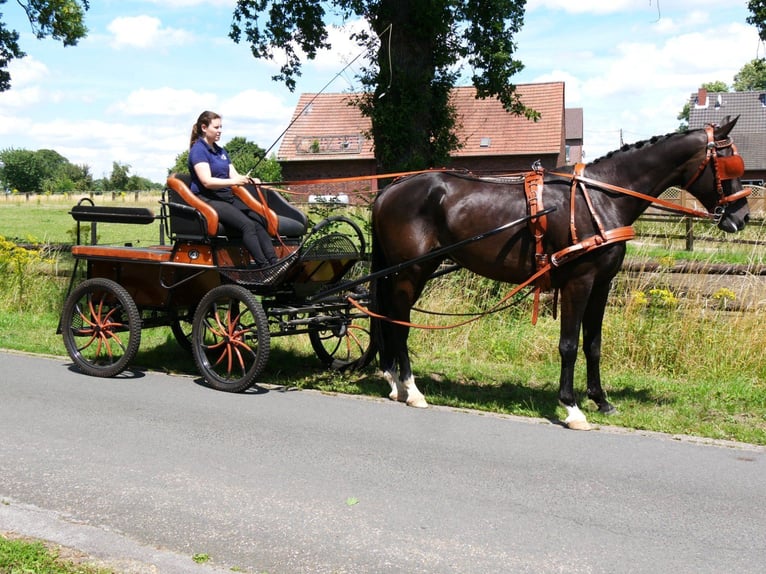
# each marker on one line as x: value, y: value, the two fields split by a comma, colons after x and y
x: 639, y: 145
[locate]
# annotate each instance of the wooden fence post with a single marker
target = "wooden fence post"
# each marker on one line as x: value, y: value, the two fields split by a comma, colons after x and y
x: 689, y: 233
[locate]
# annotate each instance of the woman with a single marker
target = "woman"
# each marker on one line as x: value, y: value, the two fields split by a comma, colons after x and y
x: 212, y: 175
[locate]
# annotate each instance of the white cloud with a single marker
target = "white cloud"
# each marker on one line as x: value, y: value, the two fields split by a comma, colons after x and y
x: 145, y: 32
x: 26, y: 71
x: 192, y: 3
x: 164, y: 102
x: 582, y: 6
x: 257, y: 105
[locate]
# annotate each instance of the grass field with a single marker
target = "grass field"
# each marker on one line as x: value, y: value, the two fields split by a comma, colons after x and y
x: 676, y: 361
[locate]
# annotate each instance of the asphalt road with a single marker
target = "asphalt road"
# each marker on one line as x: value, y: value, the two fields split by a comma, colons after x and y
x: 149, y: 469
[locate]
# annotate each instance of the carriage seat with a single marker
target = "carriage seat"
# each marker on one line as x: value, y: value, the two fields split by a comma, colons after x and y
x: 191, y: 218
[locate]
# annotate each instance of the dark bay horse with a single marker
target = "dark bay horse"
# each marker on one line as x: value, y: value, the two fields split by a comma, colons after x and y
x: 425, y: 212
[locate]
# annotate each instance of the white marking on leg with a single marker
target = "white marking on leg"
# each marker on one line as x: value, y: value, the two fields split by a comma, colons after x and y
x: 414, y: 397
x: 576, y: 419
x: 394, y: 383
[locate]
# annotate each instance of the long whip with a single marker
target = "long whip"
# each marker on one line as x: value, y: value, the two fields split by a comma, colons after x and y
x: 320, y: 92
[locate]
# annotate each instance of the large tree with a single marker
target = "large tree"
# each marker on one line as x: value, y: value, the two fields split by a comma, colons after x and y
x: 758, y: 16
x: 420, y: 48
x: 58, y: 19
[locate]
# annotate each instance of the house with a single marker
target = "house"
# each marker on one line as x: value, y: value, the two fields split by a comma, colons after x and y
x: 328, y: 138
x: 749, y: 134
x: 574, y: 135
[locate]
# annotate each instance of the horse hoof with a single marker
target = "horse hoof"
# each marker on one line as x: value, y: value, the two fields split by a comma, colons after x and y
x: 393, y: 396
x: 418, y: 403
x: 579, y: 425
x: 608, y: 409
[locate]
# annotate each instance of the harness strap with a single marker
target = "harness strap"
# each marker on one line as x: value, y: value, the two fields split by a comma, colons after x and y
x: 538, y: 226
x: 638, y: 194
x: 608, y: 237
x: 354, y: 303
x: 578, y: 171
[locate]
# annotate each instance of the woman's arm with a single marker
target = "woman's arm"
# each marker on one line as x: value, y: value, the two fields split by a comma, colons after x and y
x: 202, y: 169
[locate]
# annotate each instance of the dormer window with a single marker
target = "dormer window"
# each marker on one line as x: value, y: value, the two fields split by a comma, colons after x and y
x: 485, y: 142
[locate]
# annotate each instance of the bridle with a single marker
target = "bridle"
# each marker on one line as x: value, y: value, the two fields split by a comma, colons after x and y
x: 724, y: 168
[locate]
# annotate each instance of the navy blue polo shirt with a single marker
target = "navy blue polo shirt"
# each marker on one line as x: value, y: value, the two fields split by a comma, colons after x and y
x: 219, y: 162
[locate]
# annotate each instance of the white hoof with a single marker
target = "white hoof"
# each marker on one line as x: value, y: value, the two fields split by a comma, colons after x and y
x: 578, y: 425
x: 417, y: 402
x: 576, y: 419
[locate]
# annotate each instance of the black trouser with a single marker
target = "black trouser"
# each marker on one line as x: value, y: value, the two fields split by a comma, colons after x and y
x: 251, y: 225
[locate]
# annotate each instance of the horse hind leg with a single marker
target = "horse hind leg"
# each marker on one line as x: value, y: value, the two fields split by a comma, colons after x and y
x: 402, y: 382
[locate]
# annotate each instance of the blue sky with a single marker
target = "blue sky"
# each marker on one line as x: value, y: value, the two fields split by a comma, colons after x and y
x: 131, y: 90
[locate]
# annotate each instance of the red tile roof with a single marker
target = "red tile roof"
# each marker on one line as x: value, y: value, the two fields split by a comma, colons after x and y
x: 329, y: 127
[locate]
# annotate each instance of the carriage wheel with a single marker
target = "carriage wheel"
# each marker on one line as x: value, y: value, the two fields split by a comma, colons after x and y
x: 230, y: 338
x: 181, y: 326
x: 101, y: 327
x: 345, y: 344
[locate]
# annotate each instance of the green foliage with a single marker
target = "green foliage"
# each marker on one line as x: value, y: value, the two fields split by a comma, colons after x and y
x: 22, y: 272
x: 752, y: 76
x: 420, y: 46
x: 201, y: 558
x: 62, y: 20
x: 33, y: 557
x: 182, y: 163
x: 118, y: 180
x: 43, y: 170
x: 758, y: 16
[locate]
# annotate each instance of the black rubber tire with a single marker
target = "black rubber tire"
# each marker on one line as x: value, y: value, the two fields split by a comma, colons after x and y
x: 230, y: 338
x: 181, y: 326
x: 343, y: 345
x: 98, y: 314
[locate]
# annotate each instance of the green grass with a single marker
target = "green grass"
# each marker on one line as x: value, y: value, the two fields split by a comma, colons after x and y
x: 47, y: 220
x: 674, y: 360
x: 23, y: 556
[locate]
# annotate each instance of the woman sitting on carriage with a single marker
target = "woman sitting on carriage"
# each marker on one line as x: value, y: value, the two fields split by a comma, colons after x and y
x: 213, y: 175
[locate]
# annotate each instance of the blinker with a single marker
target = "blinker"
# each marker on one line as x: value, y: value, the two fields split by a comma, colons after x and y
x: 730, y: 167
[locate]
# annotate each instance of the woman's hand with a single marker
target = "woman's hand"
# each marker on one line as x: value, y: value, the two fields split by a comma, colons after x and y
x: 246, y: 179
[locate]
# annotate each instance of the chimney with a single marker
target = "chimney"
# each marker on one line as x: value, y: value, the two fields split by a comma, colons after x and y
x: 702, y: 98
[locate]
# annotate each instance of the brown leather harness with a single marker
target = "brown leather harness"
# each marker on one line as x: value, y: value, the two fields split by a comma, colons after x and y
x: 724, y: 167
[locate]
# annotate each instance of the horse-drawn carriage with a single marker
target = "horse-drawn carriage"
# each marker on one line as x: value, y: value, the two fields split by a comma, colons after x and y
x: 565, y: 229
x: 202, y: 287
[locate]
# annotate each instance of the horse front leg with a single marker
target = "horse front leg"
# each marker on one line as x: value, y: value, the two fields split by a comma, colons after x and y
x: 572, y: 298
x: 591, y: 334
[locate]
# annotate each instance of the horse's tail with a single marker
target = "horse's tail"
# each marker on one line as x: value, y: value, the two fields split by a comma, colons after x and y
x: 377, y: 289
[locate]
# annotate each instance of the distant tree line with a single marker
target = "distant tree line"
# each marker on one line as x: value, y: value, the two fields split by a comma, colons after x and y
x: 47, y: 171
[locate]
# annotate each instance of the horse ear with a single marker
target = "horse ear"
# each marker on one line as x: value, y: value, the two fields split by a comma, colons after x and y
x: 723, y: 130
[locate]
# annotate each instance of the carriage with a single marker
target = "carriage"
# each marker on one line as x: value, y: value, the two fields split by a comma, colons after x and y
x: 200, y: 285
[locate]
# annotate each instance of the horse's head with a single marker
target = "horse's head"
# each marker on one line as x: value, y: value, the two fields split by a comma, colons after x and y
x: 715, y: 181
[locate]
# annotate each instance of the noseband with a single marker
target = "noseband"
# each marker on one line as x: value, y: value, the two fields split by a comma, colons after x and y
x: 724, y: 168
